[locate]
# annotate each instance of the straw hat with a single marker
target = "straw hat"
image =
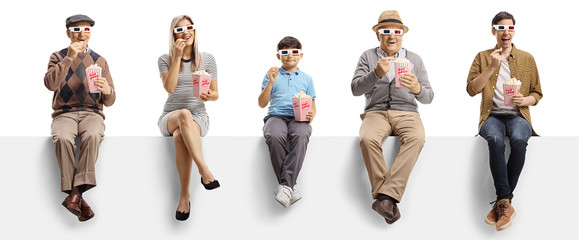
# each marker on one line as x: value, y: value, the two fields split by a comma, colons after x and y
x: 389, y: 17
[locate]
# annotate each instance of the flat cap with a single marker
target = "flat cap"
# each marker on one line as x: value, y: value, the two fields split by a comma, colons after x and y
x: 78, y: 18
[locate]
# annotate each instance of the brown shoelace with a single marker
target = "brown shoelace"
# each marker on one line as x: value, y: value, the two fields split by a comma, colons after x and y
x: 502, y: 209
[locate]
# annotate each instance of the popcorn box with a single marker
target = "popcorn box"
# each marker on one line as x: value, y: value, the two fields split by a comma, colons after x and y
x: 509, y: 90
x: 301, y: 108
x: 201, y: 84
x: 92, y: 74
x: 401, y: 69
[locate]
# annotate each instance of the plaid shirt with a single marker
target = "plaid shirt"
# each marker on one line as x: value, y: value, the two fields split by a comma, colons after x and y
x: 522, y: 66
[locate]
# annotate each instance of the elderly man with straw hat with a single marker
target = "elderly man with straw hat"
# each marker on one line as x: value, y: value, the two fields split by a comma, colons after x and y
x: 391, y: 108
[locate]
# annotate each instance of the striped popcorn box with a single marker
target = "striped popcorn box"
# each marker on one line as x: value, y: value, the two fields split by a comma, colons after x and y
x: 201, y: 83
x: 302, y: 106
x: 93, y: 72
x: 402, y: 66
x: 511, y: 87
x: 509, y: 90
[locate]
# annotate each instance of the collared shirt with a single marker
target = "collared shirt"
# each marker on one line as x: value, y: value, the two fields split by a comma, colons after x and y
x: 522, y: 66
x: 287, y: 85
x: 400, y: 54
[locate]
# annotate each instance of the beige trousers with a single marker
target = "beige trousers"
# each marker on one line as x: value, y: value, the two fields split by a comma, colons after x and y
x: 65, y: 128
x: 376, y: 126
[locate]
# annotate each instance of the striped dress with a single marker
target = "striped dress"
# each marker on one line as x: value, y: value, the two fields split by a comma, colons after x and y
x: 182, y: 97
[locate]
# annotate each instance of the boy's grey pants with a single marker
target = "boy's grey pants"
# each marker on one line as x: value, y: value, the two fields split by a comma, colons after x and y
x: 286, y: 160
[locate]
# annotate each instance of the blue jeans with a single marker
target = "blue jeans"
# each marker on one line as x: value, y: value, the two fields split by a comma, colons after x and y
x: 494, y: 129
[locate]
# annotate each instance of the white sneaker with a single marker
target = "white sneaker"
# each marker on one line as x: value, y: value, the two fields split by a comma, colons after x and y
x: 283, y: 194
x: 277, y: 189
x: 296, y: 196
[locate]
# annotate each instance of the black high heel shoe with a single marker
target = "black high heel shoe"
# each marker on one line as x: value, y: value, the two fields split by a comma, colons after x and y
x: 211, y: 185
x: 182, y: 216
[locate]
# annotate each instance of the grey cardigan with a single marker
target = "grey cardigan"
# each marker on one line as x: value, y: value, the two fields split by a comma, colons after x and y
x: 382, y: 94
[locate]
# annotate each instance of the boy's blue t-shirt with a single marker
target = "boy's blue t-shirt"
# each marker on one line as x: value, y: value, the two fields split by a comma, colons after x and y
x: 287, y: 85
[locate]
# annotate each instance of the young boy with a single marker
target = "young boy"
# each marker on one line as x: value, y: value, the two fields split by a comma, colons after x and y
x: 278, y: 87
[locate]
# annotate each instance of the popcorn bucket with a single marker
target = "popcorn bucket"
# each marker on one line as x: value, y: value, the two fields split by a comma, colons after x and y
x: 401, y: 69
x: 201, y: 84
x: 509, y: 90
x: 301, y: 108
x: 92, y: 74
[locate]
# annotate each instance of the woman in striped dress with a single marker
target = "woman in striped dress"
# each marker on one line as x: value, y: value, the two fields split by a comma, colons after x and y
x: 184, y: 116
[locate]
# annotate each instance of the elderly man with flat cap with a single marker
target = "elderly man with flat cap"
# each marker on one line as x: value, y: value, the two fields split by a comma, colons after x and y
x: 390, y: 109
x: 78, y: 112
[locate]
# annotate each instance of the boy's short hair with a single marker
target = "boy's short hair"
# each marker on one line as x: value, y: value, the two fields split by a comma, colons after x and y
x: 501, y: 16
x: 289, y: 42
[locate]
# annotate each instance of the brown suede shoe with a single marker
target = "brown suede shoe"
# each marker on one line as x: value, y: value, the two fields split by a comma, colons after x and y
x: 491, y: 218
x: 505, y: 213
x: 396, y: 215
x: 86, y: 211
x: 387, y: 209
x: 72, y: 203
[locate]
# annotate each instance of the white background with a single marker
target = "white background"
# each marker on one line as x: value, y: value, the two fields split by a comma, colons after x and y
x: 243, y: 35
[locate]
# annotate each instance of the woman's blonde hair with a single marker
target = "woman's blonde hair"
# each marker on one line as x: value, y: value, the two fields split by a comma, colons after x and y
x: 196, y: 56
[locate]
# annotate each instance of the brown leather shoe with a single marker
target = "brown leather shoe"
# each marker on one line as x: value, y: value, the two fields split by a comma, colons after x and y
x: 492, y: 217
x: 506, y: 213
x: 86, y: 211
x: 387, y: 209
x: 72, y: 203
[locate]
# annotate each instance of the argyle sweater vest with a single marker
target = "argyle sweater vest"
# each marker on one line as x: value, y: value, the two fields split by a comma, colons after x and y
x: 70, y: 85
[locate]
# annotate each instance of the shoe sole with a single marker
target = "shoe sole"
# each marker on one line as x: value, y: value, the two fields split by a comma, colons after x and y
x: 294, y: 201
x: 392, y: 221
x: 182, y: 218
x: 285, y: 205
x: 489, y: 222
x: 70, y: 209
x: 211, y: 185
x: 508, y: 224
x: 85, y: 219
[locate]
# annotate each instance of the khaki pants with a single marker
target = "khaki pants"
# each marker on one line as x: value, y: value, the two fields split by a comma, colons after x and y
x: 65, y: 128
x: 376, y: 126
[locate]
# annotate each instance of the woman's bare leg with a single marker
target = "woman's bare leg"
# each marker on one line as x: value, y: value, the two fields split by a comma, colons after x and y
x: 184, y: 165
x: 190, y: 132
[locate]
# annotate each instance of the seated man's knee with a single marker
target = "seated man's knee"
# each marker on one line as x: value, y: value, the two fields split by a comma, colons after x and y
x: 92, y: 136
x: 416, y: 138
x: 518, y: 140
x: 419, y: 139
x: 369, y: 140
x: 495, y: 140
x: 63, y: 139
